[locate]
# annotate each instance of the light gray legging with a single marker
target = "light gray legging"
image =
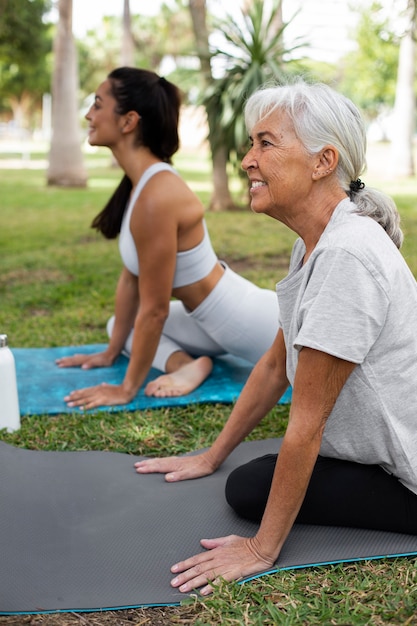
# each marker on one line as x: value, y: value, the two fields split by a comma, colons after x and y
x: 237, y: 318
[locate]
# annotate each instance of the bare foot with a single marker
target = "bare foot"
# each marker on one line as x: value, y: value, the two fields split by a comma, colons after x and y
x: 182, y: 381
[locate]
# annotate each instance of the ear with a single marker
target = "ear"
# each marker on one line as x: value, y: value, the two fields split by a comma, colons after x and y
x: 130, y: 121
x: 326, y: 162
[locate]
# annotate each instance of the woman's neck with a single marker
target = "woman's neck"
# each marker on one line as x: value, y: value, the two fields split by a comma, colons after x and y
x: 135, y: 161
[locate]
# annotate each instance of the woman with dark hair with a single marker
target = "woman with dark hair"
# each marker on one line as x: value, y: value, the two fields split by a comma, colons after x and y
x: 166, y: 252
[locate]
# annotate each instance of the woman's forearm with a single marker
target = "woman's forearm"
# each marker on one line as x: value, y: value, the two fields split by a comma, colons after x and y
x: 126, y: 309
x: 252, y: 405
x: 292, y: 474
x: 146, y: 337
x: 318, y: 382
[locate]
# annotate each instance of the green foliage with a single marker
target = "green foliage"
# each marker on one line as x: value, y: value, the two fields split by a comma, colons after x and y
x: 252, y: 55
x: 369, y: 73
x: 25, y: 42
x: 17, y: 19
x: 175, y: 35
x: 98, y: 54
x: 166, y: 34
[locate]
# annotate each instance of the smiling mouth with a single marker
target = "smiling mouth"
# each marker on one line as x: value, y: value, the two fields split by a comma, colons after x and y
x: 257, y: 183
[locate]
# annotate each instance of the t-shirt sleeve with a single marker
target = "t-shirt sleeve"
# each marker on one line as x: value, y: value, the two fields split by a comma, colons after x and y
x: 343, y: 307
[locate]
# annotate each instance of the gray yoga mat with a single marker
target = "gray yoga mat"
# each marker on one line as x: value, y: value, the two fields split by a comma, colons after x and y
x: 81, y: 531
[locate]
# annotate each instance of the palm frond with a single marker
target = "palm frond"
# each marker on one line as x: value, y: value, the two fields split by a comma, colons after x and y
x: 252, y: 53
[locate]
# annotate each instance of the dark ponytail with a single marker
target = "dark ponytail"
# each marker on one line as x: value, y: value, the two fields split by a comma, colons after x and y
x: 158, y: 103
x: 109, y: 220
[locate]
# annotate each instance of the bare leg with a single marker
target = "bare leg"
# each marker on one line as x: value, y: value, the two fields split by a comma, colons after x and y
x: 184, y: 374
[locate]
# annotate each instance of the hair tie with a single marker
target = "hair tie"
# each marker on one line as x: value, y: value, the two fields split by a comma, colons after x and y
x: 356, y: 185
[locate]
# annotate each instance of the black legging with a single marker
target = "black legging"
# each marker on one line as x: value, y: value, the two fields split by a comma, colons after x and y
x: 340, y: 493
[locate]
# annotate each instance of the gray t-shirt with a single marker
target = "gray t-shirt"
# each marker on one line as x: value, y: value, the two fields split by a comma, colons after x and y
x: 356, y: 298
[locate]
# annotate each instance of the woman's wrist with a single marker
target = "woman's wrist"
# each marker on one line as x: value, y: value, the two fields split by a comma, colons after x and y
x: 266, y: 548
x: 211, y: 460
x: 129, y: 390
x: 112, y: 353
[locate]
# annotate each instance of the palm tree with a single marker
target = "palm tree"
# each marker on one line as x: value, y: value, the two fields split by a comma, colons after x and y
x: 253, y: 54
x: 221, y: 198
x: 128, y: 44
x: 66, y: 164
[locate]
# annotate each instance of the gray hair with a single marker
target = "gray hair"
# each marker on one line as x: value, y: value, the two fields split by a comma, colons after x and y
x: 322, y: 116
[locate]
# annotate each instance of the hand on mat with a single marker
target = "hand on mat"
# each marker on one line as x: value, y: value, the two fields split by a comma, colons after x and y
x: 85, y: 361
x: 228, y: 558
x: 100, y: 395
x: 178, y: 468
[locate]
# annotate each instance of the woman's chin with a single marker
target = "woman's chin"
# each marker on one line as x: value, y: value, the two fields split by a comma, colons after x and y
x: 256, y: 207
x: 91, y: 139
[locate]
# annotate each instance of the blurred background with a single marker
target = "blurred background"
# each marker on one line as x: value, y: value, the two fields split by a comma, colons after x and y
x: 54, y: 54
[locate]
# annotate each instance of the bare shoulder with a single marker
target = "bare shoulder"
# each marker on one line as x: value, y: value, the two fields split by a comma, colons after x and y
x: 163, y: 184
x: 169, y: 190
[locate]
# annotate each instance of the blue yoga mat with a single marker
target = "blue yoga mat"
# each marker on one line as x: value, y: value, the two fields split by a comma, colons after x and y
x: 42, y: 385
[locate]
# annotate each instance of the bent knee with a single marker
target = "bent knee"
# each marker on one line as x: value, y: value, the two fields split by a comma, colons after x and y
x: 247, y: 487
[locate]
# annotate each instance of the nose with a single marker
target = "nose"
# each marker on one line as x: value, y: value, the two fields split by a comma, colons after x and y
x: 87, y: 115
x: 249, y: 160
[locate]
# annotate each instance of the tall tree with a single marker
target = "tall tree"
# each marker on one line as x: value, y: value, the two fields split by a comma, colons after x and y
x: 128, y: 44
x: 404, y: 121
x: 127, y: 48
x: 221, y: 199
x: 252, y: 55
x: 66, y: 163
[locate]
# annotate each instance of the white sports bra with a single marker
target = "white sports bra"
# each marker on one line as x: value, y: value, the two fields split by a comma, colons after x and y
x: 192, y: 265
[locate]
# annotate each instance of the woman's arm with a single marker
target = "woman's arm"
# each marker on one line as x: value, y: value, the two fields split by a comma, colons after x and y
x: 155, y: 232
x: 154, y: 226
x: 126, y: 309
x: 126, y: 306
x: 318, y: 382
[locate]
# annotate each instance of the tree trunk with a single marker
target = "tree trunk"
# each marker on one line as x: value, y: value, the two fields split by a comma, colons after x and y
x: 127, y: 53
x: 405, y: 107
x: 128, y: 46
x: 66, y: 163
x: 221, y: 199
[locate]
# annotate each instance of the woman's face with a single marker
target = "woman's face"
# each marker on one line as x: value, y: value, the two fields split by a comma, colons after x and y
x: 104, y: 122
x: 278, y: 167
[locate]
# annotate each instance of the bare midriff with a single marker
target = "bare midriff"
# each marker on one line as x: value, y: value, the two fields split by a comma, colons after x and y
x: 193, y: 295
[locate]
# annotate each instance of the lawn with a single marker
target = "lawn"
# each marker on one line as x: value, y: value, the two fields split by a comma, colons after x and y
x: 57, y: 285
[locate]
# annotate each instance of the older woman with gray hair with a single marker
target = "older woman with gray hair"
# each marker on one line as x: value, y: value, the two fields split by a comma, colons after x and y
x: 347, y: 345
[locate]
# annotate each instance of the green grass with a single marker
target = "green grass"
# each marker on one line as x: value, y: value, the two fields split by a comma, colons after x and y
x: 57, y: 284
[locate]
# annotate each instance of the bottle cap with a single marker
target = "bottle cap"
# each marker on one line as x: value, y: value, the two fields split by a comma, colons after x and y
x: 3, y: 341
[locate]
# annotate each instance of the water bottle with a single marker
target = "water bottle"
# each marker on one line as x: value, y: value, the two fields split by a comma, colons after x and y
x: 9, y: 399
